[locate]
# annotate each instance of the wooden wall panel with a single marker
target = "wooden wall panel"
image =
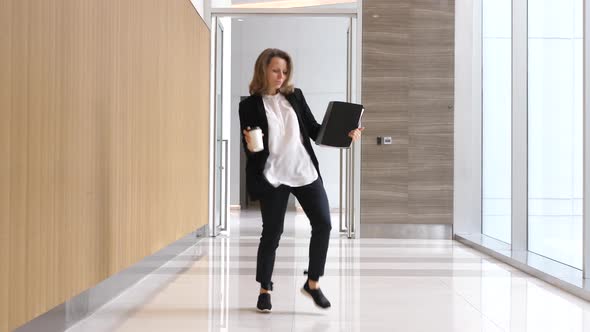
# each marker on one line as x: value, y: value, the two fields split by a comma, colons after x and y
x: 103, y: 142
x: 408, y: 77
x: 5, y: 106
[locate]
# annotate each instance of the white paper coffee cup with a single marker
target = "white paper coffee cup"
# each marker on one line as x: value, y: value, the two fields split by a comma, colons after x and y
x: 256, y: 143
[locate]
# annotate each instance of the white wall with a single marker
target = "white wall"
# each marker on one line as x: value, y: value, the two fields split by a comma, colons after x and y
x: 318, y: 48
x: 199, y: 6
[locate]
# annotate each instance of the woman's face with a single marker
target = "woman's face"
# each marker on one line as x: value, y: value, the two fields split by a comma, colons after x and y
x: 276, y: 73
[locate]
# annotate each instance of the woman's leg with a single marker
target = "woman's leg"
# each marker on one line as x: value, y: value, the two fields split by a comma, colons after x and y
x: 314, y: 201
x: 272, y: 208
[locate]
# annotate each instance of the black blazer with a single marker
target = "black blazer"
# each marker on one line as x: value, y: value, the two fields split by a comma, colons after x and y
x: 252, y: 114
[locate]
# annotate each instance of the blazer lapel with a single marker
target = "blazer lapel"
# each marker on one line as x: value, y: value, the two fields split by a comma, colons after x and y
x: 293, y: 102
x: 263, y: 120
x: 291, y: 98
x: 261, y: 113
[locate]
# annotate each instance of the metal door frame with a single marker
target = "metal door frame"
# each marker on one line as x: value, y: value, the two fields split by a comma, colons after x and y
x: 216, y: 229
x: 350, y: 156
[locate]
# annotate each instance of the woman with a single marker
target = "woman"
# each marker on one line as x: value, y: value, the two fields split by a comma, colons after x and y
x: 286, y: 165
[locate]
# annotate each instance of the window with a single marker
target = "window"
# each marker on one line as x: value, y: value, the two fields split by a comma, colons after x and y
x: 555, y: 127
x: 496, y: 118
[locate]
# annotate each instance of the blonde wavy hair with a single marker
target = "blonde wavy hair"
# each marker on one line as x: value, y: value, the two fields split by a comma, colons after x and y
x: 259, y: 83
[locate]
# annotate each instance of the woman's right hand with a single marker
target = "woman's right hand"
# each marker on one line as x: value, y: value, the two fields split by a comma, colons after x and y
x: 247, y: 137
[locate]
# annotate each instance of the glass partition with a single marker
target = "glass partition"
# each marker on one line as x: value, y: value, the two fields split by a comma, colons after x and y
x: 555, y: 129
x: 496, y: 118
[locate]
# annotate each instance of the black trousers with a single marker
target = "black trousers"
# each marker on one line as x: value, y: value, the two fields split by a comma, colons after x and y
x: 273, y: 205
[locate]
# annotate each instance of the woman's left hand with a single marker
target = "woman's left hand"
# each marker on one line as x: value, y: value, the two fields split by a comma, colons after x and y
x: 356, y: 134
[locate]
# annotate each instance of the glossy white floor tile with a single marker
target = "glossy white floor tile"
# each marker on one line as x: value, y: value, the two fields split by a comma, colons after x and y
x: 373, y: 284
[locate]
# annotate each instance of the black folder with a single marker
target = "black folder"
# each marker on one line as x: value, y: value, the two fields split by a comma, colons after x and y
x: 339, y: 120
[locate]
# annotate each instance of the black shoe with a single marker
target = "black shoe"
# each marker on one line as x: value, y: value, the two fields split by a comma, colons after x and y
x: 316, y: 294
x: 264, y: 304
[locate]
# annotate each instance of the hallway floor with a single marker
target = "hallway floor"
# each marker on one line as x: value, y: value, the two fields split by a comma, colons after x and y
x: 373, y: 284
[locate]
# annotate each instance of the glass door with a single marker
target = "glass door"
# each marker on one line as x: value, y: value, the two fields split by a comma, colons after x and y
x: 220, y: 213
x: 340, y: 168
x: 348, y: 184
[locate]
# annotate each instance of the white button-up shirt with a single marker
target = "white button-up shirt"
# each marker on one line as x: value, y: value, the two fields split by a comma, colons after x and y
x: 288, y: 162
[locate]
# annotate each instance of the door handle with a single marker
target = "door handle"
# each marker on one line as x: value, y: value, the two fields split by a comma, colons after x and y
x: 225, y: 143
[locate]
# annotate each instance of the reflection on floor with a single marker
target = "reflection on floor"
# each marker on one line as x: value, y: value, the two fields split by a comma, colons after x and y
x: 373, y: 284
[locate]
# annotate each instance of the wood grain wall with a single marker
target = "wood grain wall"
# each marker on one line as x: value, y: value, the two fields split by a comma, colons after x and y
x: 103, y: 141
x: 408, y: 83
x: 5, y: 93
